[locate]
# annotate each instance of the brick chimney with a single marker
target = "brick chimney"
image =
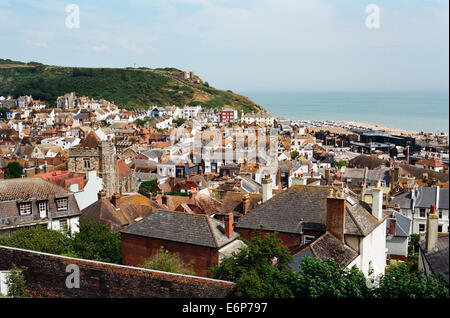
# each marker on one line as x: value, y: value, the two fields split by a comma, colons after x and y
x: 432, y: 229
x: 336, y: 214
x: 115, y: 200
x: 164, y: 199
x: 377, y: 201
x: 392, y: 225
x: 229, y: 232
x: 245, y: 204
x: 171, y: 182
x: 101, y: 194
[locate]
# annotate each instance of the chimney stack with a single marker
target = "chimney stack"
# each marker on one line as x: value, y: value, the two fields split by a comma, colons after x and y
x: 101, y: 194
x: 267, y: 188
x: 336, y: 214
x: 115, y: 200
x: 432, y: 229
x: 245, y: 204
x: 229, y: 232
x: 392, y: 225
x: 377, y: 201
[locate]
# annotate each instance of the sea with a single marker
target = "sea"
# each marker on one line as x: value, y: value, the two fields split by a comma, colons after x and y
x: 414, y: 111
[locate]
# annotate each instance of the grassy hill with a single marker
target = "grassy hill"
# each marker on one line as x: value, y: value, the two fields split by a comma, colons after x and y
x: 128, y: 88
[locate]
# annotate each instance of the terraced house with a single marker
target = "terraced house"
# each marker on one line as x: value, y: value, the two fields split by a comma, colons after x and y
x: 34, y: 201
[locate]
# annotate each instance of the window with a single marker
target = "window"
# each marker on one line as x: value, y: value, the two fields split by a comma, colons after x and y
x: 61, y: 204
x: 440, y: 228
x: 87, y: 163
x: 440, y: 214
x: 63, y: 224
x: 422, y: 212
x: 25, y: 208
x: 42, y: 207
x: 421, y: 227
x: 307, y: 239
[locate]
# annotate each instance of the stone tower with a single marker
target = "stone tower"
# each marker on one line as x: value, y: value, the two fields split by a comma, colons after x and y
x: 108, y: 167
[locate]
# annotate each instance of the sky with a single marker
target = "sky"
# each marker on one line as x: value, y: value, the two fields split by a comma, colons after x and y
x: 243, y: 45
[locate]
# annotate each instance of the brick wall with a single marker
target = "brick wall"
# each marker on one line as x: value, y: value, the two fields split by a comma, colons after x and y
x: 135, y: 249
x: 45, y: 276
x: 290, y: 240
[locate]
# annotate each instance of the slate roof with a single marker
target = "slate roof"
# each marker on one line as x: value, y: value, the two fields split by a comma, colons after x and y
x: 284, y: 213
x: 326, y: 247
x: 427, y: 196
x: 438, y: 260
x: 403, y: 200
x: 402, y: 225
x: 182, y: 227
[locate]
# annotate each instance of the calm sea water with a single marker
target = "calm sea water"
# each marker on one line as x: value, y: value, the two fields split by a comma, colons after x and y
x: 418, y: 111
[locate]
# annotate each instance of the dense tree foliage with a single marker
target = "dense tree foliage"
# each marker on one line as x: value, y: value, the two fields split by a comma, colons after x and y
x: 16, y: 283
x: 294, y: 154
x: 168, y: 262
x: 317, y: 278
x: 39, y: 239
x: 148, y: 186
x: 259, y: 270
x: 399, y: 281
x: 339, y: 164
x: 13, y: 170
x: 94, y: 241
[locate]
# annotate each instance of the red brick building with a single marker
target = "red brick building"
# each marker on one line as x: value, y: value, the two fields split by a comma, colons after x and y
x: 193, y: 237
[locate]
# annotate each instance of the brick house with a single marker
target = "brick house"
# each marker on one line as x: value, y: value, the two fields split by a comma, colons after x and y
x: 193, y: 237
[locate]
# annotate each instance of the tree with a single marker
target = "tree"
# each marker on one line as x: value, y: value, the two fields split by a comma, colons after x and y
x: 97, y: 242
x: 148, y: 186
x: 260, y: 269
x: 339, y: 164
x: 16, y: 283
x: 294, y: 154
x: 179, y: 121
x: 317, y: 278
x: 168, y: 262
x: 38, y: 238
x: 13, y: 170
x: 399, y: 281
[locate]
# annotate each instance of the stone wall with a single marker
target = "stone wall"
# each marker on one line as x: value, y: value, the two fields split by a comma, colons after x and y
x: 46, y: 275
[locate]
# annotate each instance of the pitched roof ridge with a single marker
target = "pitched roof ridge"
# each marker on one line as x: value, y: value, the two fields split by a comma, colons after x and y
x: 208, y: 221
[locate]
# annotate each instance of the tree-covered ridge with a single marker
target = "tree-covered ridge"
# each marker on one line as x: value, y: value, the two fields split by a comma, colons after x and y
x: 128, y: 88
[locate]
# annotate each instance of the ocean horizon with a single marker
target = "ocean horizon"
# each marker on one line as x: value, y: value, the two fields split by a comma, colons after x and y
x: 415, y: 111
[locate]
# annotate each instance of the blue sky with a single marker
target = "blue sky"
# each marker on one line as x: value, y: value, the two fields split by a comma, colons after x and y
x: 245, y: 46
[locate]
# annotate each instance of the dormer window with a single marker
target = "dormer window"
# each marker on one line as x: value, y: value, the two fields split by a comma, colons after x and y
x: 25, y: 208
x: 61, y: 204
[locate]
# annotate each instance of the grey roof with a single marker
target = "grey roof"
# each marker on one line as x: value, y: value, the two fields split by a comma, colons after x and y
x: 427, y: 196
x: 326, y: 247
x: 154, y: 153
x: 285, y: 211
x: 402, y: 226
x: 403, y: 200
x: 182, y: 227
x: 438, y: 260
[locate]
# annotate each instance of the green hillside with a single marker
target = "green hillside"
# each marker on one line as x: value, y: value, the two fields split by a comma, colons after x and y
x: 128, y: 88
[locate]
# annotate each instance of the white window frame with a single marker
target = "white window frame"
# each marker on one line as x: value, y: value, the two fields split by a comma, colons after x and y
x: 44, y: 205
x: 21, y: 208
x: 64, y: 207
